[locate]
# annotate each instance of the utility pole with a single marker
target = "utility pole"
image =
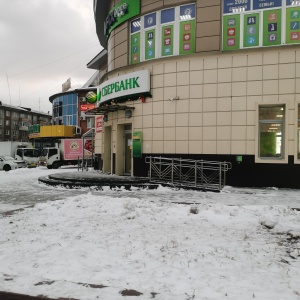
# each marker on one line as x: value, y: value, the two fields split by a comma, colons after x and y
x: 39, y: 104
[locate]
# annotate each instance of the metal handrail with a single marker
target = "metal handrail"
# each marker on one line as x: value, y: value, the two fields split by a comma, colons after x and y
x: 187, y: 172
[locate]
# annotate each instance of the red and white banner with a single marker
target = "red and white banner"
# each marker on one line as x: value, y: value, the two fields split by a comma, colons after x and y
x: 99, y: 123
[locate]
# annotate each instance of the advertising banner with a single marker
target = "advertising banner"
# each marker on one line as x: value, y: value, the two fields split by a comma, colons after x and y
x: 85, y: 107
x: 135, y: 48
x: 251, y: 30
x: 167, y: 47
x: 150, y: 44
x: 124, y: 10
x: 99, y: 123
x: 263, y: 4
x: 137, y: 144
x: 272, y: 27
x: 293, y: 25
x: 230, y: 5
x: 268, y: 23
x: 72, y: 149
x: 187, y: 37
x: 231, y: 32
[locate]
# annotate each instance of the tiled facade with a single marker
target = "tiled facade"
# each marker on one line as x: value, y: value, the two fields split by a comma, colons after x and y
x: 206, y: 105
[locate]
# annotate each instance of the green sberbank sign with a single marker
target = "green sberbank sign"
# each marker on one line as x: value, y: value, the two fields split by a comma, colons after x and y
x: 124, y: 10
x: 123, y: 86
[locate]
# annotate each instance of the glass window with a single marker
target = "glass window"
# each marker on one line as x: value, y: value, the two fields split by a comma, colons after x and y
x: 150, y: 20
x: 1, y: 112
x: 163, y: 33
x: 7, y: 123
x: 7, y: 132
x: 271, y: 131
x: 90, y: 122
x: 187, y: 12
x: 7, y: 113
x: 168, y: 15
x: 135, y: 25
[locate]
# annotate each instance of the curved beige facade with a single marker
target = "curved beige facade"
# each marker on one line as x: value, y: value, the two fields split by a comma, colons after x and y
x: 207, y: 104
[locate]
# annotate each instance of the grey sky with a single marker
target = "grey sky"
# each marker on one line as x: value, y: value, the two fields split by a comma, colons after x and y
x: 42, y: 44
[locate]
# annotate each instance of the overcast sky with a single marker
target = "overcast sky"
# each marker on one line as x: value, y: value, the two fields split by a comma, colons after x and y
x: 42, y: 44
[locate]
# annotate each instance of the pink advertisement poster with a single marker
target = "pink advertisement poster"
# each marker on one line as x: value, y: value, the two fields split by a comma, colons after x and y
x: 73, y: 149
x: 99, y: 123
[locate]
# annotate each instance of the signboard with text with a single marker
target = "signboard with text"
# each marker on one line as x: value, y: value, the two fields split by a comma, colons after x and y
x: 134, y: 83
x: 119, y: 14
x: 231, y: 6
x: 99, y: 123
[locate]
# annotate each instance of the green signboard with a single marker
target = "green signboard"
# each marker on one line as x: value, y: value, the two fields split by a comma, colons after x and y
x: 135, y: 48
x: 124, y: 10
x: 187, y: 37
x: 251, y: 30
x: 167, y: 40
x: 272, y: 27
x: 150, y: 44
x: 137, y: 144
x: 231, y: 32
x: 293, y: 25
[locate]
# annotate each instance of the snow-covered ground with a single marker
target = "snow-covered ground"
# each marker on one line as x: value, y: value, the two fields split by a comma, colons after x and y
x: 88, y: 244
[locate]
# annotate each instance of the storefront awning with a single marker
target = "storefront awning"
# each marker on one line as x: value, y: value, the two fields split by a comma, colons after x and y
x: 105, y: 109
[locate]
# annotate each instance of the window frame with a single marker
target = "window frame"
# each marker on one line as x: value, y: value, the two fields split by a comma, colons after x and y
x: 283, y: 159
x: 158, y: 33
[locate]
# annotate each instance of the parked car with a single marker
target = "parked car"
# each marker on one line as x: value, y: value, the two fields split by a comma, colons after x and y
x: 8, y: 163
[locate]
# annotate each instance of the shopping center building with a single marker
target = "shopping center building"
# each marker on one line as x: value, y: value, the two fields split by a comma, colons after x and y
x: 216, y: 80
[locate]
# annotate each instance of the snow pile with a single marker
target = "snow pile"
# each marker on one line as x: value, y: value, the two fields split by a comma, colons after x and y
x: 95, y: 246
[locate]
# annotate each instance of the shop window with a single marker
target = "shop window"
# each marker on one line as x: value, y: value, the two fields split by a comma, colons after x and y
x: 163, y: 33
x: 271, y: 132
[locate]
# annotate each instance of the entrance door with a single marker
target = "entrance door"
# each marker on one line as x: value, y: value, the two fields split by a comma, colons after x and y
x: 127, y: 149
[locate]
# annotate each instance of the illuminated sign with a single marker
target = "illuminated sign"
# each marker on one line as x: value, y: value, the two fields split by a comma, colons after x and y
x: 125, y: 85
x: 85, y: 107
x: 125, y: 10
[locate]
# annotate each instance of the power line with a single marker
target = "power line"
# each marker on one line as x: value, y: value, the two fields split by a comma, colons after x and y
x: 54, y: 61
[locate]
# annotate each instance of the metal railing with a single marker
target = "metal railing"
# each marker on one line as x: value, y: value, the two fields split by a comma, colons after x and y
x: 199, y: 174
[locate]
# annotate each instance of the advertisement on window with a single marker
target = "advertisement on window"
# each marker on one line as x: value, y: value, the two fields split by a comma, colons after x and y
x: 265, y: 23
